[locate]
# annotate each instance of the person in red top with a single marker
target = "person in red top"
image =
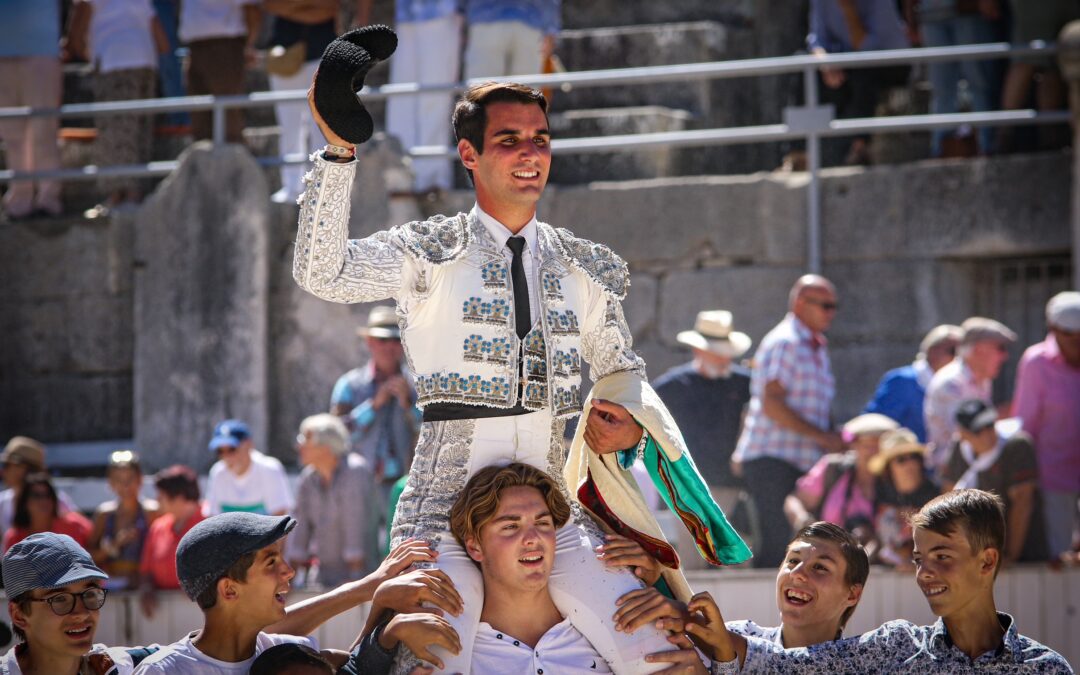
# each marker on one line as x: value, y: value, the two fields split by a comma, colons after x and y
x: 38, y: 510
x: 178, y: 496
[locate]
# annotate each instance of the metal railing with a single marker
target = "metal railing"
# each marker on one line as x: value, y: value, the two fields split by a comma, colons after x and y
x: 811, y: 121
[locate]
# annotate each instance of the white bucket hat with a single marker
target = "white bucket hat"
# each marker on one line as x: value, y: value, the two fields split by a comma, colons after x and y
x: 712, y: 332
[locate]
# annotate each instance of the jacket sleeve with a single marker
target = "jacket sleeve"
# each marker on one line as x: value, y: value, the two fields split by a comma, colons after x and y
x: 326, y: 262
x: 606, y: 342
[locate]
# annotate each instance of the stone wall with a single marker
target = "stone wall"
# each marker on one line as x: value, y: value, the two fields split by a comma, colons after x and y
x: 903, y: 244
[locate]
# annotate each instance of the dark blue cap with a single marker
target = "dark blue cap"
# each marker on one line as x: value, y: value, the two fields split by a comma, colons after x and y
x: 229, y: 433
x: 210, y: 548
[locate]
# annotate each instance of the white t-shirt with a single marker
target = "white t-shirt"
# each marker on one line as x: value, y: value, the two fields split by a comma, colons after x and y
x: 562, y: 650
x: 205, y: 19
x: 183, y: 658
x: 262, y: 489
x: 9, y: 662
x: 120, y: 35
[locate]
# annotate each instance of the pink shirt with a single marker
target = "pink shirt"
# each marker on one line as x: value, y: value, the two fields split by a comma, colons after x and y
x: 837, y: 507
x: 1048, y: 401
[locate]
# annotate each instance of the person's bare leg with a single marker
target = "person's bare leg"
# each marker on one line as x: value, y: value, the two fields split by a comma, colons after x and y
x: 1014, y: 94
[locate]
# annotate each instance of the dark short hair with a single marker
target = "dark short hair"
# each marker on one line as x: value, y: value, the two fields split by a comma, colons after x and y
x: 857, y: 564
x: 470, y: 113
x: 178, y: 481
x: 125, y: 459
x: 979, y: 514
x: 22, y: 514
x: 279, y: 658
x: 478, y: 502
x: 237, y: 572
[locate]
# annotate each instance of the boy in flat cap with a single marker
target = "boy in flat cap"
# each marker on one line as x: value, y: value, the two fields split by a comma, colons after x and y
x: 233, y: 566
x: 55, y: 594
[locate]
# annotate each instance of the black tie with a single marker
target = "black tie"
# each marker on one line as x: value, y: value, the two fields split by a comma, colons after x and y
x: 522, y: 315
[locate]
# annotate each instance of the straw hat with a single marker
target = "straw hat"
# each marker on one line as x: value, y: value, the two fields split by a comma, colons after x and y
x: 382, y: 323
x: 712, y: 333
x: 894, y: 444
x: 869, y: 424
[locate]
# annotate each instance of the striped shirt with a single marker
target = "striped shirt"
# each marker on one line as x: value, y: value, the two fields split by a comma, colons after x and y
x: 794, y: 356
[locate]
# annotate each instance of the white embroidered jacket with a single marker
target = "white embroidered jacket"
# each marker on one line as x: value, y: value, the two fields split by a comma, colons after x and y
x: 455, y: 303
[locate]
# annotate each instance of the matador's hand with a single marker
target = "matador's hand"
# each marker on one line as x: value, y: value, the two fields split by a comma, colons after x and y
x: 611, y: 428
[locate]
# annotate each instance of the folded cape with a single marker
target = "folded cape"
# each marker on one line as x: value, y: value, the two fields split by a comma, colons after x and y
x: 604, y: 485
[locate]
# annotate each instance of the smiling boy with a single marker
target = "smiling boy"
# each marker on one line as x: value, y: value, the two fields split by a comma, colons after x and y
x: 959, y: 539
x: 55, y: 594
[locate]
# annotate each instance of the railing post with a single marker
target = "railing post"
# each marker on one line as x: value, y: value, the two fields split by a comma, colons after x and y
x: 219, y: 123
x: 813, y: 187
x: 1069, y: 59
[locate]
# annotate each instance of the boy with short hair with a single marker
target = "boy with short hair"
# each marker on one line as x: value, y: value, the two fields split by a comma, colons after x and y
x: 959, y: 539
x: 55, y: 594
x: 233, y: 566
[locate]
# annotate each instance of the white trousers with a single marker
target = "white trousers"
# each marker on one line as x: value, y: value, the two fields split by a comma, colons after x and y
x: 428, y: 52
x: 503, y: 48
x: 582, y: 587
x: 299, y: 133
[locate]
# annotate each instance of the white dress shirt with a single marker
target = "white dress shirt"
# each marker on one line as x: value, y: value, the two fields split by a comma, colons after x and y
x: 500, y: 234
x: 561, y: 651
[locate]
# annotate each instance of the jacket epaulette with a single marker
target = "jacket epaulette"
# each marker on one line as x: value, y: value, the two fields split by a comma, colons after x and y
x: 597, y: 261
x: 438, y: 240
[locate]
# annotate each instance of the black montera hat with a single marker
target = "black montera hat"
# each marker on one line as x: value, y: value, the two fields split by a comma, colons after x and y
x: 345, y: 64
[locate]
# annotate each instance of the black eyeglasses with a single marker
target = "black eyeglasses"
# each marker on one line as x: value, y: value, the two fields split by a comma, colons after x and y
x: 63, y: 604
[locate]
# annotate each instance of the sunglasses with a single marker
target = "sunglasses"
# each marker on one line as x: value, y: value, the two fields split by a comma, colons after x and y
x: 226, y: 450
x: 39, y: 494
x: 825, y: 305
x: 63, y: 604
x: 904, y: 459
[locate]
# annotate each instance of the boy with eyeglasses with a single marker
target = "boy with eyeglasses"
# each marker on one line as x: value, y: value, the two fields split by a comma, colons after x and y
x: 55, y: 594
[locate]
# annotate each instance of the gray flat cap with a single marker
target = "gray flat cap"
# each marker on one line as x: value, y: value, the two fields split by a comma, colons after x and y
x: 979, y: 328
x: 208, y: 550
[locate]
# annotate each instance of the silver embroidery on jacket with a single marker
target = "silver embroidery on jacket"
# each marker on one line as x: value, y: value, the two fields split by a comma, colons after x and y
x: 597, y: 261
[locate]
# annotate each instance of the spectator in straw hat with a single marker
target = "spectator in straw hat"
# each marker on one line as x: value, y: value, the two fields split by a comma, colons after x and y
x: 902, y: 391
x: 23, y: 456
x: 377, y: 402
x: 1047, y: 398
x: 902, y: 489
x: 840, y: 488
x: 982, y: 351
x: 707, y: 397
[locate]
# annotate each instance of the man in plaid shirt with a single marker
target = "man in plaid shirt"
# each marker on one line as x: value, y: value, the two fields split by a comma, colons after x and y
x: 787, y: 427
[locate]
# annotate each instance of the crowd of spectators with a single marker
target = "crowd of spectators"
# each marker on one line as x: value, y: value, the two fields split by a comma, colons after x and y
x: 841, y: 26
x: 135, y: 49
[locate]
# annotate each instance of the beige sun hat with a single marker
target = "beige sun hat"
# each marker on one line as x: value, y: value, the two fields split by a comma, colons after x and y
x: 382, y: 323
x: 712, y: 332
x: 894, y: 444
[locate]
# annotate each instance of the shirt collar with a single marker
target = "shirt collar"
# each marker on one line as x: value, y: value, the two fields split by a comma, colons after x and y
x: 1052, y: 350
x: 804, y: 332
x: 500, y: 233
x: 939, y: 637
x: 923, y: 372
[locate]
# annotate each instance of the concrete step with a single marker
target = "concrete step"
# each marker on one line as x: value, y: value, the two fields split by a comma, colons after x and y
x: 584, y: 168
x: 634, y: 46
x: 605, y: 13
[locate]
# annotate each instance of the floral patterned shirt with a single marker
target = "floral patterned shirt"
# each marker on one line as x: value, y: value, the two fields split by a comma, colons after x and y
x: 902, y: 647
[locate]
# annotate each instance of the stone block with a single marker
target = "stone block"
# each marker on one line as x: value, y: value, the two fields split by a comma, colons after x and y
x: 640, y: 304
x: 100, y: 333
x: 688, y: 221
x: 586, y: 167
x: 202, y: 242
x: 36, y: 337
x: 634, y: 46
x: 949, y: 208
x: 66, y: 407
